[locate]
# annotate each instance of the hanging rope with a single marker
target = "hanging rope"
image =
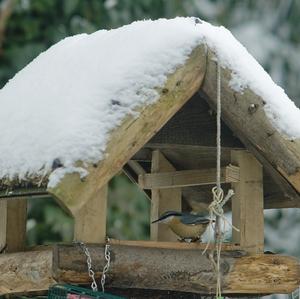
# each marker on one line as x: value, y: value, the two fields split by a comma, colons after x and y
x: 218, y: 192
x: 216, y: 207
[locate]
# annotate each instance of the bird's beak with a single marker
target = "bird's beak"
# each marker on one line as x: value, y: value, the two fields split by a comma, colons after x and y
x: 155, y: 221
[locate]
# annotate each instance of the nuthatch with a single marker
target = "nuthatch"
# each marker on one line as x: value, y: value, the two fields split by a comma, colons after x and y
x: 185, y: 225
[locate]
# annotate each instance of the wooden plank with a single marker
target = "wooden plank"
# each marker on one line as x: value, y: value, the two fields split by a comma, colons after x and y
x: 247, y: 203
x: 187, y: 178
x: 173, y: 245
x: 25, y: 272
x: 240, y: 108
x: 180, y: 270
x: 13, y: 216
x: 163, y: 200
x: 90, y: 220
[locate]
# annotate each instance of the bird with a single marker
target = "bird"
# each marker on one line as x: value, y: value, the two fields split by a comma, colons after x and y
x: 188, y: 227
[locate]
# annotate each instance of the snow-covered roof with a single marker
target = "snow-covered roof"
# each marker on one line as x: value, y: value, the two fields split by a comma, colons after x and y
x: 64, y: 104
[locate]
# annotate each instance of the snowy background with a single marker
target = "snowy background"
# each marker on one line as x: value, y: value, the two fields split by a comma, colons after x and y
x: 269, y: 29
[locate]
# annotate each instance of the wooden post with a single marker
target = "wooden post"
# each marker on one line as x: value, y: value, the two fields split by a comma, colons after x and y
x: 90, y: 220
x: 13, y: 216
x: 247, y: 203
x: 163, y: 200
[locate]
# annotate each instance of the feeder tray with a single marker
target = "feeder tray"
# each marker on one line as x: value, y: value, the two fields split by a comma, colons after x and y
x: 65, y: 291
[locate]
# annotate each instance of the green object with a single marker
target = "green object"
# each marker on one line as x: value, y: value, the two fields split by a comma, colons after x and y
x: 65, y: 291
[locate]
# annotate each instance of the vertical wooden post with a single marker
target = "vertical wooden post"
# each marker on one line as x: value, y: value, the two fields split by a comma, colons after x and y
x: 13, y: 217
x: 90, y: 220
x: 247, y: 203
x: 163, y: 200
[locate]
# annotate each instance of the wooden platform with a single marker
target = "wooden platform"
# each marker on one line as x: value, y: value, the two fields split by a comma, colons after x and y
x: 162, y: 266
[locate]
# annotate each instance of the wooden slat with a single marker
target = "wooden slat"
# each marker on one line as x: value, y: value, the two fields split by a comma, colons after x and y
x: 90, y: 220
x: 134, y: 132
x: 13, y: 216
x: 163, y: 200
x: 187, y: 178
x: 247, y: 203
x: 173, y: 245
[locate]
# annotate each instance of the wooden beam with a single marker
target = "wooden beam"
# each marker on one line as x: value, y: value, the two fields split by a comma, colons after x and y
x: 187, y: 178
x: 134, y: 266
x: 26, y: 272
x: 90, y: 220
x: 138, y: 169
x: 246, y: 107
x: 278, y: 201
x: 13, y: 217
x: 134, y: 132
x: 163, y: 200
x: 248, y: 203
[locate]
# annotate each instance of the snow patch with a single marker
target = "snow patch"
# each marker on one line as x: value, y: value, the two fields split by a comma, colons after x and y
x: 57, y: 175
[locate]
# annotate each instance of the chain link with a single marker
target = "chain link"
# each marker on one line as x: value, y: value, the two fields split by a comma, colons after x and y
x: 91, y: 273
x: 106, y: 267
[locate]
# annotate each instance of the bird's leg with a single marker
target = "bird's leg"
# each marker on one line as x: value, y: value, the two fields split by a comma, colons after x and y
x: 181, y: 239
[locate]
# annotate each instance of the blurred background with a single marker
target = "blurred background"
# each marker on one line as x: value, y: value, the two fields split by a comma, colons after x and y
x: 269, y: 29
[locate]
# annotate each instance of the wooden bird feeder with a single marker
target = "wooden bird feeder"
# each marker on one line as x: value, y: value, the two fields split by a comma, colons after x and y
x: 170, y: 152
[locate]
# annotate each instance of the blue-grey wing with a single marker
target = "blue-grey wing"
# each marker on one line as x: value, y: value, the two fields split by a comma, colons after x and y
x: 193, y: 219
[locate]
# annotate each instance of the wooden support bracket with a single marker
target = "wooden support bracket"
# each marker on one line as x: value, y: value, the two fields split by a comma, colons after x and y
x: 13, y: 216
x: 90, y: 220
x: 187, y: 178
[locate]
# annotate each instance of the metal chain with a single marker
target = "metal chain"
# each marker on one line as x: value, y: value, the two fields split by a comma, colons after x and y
x: 91, y: 273
x: 106, y: 267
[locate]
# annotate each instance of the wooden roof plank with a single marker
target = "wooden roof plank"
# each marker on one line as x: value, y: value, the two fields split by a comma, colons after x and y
x: 134, y: 132
x: 252, y: 126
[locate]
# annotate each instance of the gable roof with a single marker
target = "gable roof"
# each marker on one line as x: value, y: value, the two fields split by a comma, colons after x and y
x: 91, y: 101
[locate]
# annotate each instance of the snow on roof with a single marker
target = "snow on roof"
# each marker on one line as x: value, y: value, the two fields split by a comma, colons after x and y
x: 64, y: 104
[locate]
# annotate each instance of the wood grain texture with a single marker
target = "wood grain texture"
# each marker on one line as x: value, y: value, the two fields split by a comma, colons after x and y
x: 134, y: 132
x: 13, y: 217
x: 253, y: 125
x: 25, y: 272
x: 163, y: 200
x: 181, y: 270
x: 248, y: 203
